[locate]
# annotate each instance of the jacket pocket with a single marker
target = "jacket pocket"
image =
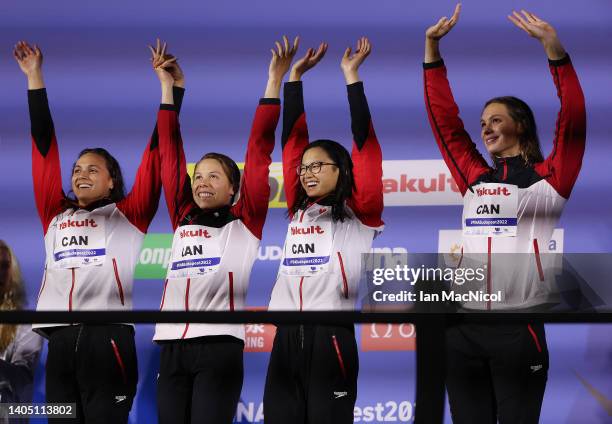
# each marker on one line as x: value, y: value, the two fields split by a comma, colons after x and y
x: 536, y: 252
x: 118, y: 281
x: 339, y: 355
x: 119, y: 360
x: 344, y: 279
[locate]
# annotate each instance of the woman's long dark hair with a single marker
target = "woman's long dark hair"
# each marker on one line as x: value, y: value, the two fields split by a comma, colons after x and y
x: 118, y: 191
x: 344, y: 187
x: 232, y: 172
x: 521, y: 114
x: 12, y: 293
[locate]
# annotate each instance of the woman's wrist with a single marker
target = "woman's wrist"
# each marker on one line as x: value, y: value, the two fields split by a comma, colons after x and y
x: 273, y: 88
x: 295, y: 76
x: 35, y: 80
x: 167, y: 95
x: 432, y: 50
x: 351, y: 76
x: 554, y: 49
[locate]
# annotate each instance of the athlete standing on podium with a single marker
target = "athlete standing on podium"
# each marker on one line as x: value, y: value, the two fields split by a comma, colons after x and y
x: 92, y: 242
x: 218, y: 222
x: 335, y: 204
x: 499, y: 372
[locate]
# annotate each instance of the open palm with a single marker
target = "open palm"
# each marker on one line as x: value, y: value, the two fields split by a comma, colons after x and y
x: 534, y: 26
x: 29, y: 58
x: 443, y: 26
x: 309, y: 60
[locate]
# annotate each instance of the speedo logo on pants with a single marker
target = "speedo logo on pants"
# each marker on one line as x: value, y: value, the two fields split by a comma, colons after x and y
x: 338, y: 395
x: 536, y: 368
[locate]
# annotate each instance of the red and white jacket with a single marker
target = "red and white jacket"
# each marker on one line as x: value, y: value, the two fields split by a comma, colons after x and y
x: 239, y: 228
x: 337, y: 288
x: 102, y: 287
x: 524, y: 276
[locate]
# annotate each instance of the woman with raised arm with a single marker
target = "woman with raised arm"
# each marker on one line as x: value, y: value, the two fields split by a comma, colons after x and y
x: 512, y: 207
x: 335, y: 204
x: 92, y: 242
x: 218, y: 221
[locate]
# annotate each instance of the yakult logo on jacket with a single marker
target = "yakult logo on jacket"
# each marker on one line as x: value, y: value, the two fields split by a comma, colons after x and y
x: 313, y: 229
x: 70, y: 223
x: 499, y: 191
x: 195, y: 233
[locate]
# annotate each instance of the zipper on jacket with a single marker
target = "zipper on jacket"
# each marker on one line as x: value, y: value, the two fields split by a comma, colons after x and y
x: 118, y: 280
x: 339, y: 355
x: 505, y: 175
x: 344, y: 280
x: 71, y: 290
x: 119, y: 360
x: 536, y: 251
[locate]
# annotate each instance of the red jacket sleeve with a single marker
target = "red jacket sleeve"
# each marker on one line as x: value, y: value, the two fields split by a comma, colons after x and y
x: 295, y: 138
x: 46, y: 173
x: 175, y: 180
x: 140, y: 205
x: 464, y: 161
x: 367, y: 197
x: 562, y: 166
x: 252, y: 205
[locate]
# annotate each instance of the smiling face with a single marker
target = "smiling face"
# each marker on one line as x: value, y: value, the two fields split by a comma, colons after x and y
x: 322, y: 183
x: 499, y: 132
x: 211, y: 187
x: 91, y: 180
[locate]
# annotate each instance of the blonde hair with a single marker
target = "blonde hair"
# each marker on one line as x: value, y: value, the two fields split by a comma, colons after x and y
x: 12, y: 296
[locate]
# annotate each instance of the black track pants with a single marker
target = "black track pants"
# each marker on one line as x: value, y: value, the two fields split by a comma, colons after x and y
x: 312, y: 376
x: 95, y: 367
x: 496, y: 372
x: 200, y: 380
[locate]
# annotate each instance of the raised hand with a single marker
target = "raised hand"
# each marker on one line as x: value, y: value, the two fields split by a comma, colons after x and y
x: 443, y: 26
x: 279, y: 65
x: 541, y: 30
x: 173, y: 67
x: 434, y: 33
x: 307, y: 62
x: 161, y: 64
x: 350, y: 63
x: 282, y: 57
x: 30, y: 61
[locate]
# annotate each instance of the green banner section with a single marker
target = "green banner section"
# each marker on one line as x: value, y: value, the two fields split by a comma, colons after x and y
x: 154, y: 257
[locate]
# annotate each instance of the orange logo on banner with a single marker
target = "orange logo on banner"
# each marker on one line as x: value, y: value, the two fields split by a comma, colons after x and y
x: 259, y: 337
x: 378, y: 336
